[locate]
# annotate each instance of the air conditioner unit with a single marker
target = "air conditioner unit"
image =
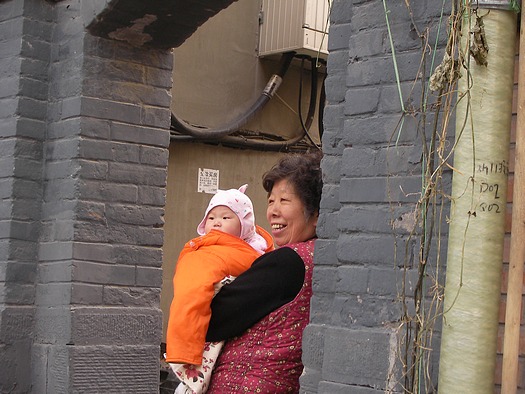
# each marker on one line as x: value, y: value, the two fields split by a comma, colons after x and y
x: 294, y: 25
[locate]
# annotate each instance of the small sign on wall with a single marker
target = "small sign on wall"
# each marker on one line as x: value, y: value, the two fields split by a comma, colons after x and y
x: 208, y: 181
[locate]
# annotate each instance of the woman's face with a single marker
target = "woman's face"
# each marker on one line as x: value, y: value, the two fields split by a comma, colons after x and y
x: 286, y: 215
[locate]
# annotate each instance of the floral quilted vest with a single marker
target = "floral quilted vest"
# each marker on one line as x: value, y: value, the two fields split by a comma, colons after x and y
x: 267, y: 357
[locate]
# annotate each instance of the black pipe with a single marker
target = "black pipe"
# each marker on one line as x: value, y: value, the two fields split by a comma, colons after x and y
x: 268, y: 92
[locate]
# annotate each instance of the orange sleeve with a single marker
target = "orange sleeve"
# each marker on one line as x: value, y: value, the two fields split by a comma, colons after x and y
x: 190, y: 311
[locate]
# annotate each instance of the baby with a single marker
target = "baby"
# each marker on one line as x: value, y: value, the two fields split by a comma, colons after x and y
x: 228, y: 244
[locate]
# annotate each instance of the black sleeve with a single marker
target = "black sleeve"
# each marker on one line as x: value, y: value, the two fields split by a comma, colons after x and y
x: 273, y: 280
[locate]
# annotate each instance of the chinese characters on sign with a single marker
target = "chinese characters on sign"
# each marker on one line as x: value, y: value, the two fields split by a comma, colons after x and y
x: 208, y: 181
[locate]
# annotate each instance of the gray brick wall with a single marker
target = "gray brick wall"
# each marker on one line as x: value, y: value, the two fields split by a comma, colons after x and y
x: 23, y: 91
x: 84, y: 134
x: 367, y: 251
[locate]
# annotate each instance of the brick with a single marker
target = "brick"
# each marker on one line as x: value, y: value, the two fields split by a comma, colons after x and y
x: 52, y: 294
x: 6, y: 187
x: 116, y: 364
x: 19, y: 294
x: 93, y: 252
x: 331, y: 168
x: 105, y: 191
x: 388, y: 282
x: 371, y: 15
x: 94, y: 170
x: 10, y: 86
x: 324, y: 279
x: 93, y: 272
x: 25, y: 209
x: 367, y: 43
x: 374, y: 250
x: 62, y: 149
x: 149, y: 277
x: 337, y: 62
x: 34, y: 68
x: 95, y: 149
x: 341, y: 11
x: 360, y: 101
x: 115, y: 326
x: 137, y: 174
x: 50, y: 272
x: 118, y: 233
x: 7, y: 164
x: 28, y: 169
x: 114, y: 70
x: 161, y: 78
x: 35, y: 48
x: 8, y: 107
x: 112, y: 110
x: 17, y: 324
x: 27, y: 189
x: 156, y: 117
x: 95, y: 128
x: 380, y: 189
x: 152, y: 195
x: 381, y: 161
x: 335, y: 89
x: 154, y: 156
x: 321, y: 308
x: 339, y: 36
x: 8, y: 127
x: 56, y: 251
x: 332, y: 142
x: 333, y: 114
x: 10, y: 47
x: 313, y: 340
x: 330, y: 198
x: 141, y: 135
x: 352, y: 280
x: 64, y: 128
x: 140, y: 255
x: 26, y: 231
x: 104, y: 150
x: 391, y: 97
x: 366, y: 219
x: 379, y: 129
x: 132, y: 296
x: 327, y: 225
x: 324, y: 252
x: 31, y: 108
x: 135, y: 215
x: 60, y: 189
x: 86, y: 294
x: 17, y: 271
x: 350, y: 357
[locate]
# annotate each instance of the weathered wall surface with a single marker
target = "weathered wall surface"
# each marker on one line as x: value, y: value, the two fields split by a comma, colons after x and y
x: 372, y: 172
x: 84, y: 135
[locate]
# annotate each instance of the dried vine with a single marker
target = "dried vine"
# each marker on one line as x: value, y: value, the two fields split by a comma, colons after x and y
x: 422, y: 306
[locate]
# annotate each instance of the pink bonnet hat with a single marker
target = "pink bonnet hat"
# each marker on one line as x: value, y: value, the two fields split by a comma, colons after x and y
x: 242, y: 206
x: 239, y: 203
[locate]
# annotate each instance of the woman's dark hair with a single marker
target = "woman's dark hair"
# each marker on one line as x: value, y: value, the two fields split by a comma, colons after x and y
x: 303, y: 171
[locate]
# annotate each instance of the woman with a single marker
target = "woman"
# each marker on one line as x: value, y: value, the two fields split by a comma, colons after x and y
x: 265, y: 310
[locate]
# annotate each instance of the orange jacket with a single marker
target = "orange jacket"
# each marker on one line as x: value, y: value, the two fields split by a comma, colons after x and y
x: 203, y: 261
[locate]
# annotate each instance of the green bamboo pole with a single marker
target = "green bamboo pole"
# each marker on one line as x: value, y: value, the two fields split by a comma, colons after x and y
x: 476, y: 233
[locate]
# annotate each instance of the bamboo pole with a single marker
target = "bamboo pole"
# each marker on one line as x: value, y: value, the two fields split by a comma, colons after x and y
x: 511, y: 340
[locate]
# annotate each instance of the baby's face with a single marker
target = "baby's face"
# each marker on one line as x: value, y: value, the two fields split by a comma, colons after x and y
x: 223, y: 219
